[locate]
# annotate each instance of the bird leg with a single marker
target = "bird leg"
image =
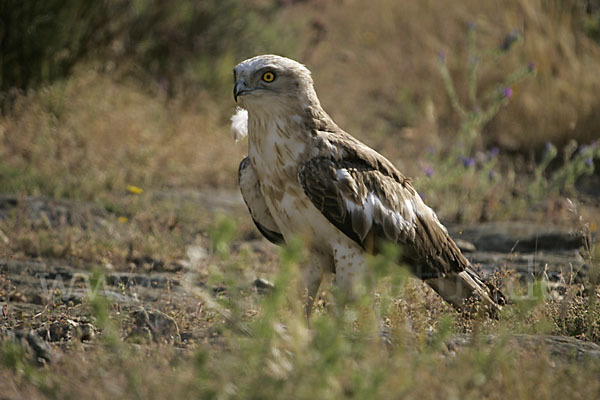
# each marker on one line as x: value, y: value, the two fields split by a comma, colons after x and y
x: 311, y: 277
x: 350, y: 268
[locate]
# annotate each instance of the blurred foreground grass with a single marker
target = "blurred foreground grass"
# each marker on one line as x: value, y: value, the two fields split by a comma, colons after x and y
x: 391, y: 343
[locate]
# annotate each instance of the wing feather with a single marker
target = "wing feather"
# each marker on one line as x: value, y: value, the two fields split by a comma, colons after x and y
x: 361, y: 199
x: 253, y: 197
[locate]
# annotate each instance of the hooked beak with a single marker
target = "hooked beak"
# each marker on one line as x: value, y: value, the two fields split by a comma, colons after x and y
x: 239, y: 89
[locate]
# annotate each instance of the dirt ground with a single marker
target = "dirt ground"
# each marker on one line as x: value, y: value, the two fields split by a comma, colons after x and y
x: 175, y: 302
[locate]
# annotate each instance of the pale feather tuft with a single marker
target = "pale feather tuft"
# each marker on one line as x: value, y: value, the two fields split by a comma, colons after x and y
x: 239, y: 124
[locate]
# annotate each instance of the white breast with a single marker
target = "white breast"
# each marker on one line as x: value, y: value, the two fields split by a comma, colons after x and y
x: 276, y: 156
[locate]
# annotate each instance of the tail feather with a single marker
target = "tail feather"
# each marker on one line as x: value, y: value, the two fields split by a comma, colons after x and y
x: 438, y: 261
x: 458, y: 288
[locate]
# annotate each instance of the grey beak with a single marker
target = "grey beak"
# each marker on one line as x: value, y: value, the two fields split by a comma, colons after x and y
x: 239, y: 88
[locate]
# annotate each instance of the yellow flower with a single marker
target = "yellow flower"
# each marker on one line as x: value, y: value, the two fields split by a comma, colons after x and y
x: 134, y: 189
x: 122, y: 219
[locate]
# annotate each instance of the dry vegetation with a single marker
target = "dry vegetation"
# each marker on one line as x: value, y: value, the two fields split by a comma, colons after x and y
x: 388, y: 57
x: 145, y: 149
x: 99, y: 136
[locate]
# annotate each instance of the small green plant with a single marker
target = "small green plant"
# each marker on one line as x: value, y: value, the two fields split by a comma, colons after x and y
x: 469, y: 174
x: 222, y: 234
x: 14, y: 357
x: 100, y: 309
x: 578, y: 161
x: 479, y: 108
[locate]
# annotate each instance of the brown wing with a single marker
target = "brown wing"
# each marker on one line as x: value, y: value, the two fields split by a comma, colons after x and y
x: 368, y: 205
x: 256, y: 204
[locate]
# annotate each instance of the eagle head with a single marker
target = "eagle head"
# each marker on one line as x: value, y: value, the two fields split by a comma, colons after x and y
x: 265, y: 81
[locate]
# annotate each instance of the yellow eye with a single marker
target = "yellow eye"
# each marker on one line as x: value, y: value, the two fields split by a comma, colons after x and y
x: 268, y: 77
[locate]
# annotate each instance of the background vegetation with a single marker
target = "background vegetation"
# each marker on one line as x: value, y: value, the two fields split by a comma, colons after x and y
x: 73, y: 73
x: 124, y: 105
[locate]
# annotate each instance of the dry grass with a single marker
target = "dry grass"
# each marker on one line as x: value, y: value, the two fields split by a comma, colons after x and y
x: 90, y: 135
x: 385, y: 64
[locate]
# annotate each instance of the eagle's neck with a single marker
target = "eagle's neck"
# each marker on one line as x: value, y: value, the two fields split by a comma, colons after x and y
x: 277, y: 121
x: 288, y: 117
x: 279, y: 141
x: 276, y: 138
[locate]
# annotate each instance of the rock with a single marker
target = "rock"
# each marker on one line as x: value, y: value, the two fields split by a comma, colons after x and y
x: 78, y: 296
x: 158, y: 280
x: 196, y: 254
x: 506, y: 237
x: 42, y: 349
x: 35, y: 347
x: 65, y: 330
x: 219, y: 290
x: 149, y: 264
x: 561, y: 347
x: 532, y: 251
x: 17, y: 297
x: 86, y: 332
x: 465, y: 246
x: 566, y: 266
x: 154, y: 325
x: 263, y: 286
x: 54, y: 212
x: 61, y: 330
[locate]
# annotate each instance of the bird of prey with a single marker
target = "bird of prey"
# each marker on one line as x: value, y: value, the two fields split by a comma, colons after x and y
x: 304, y: 176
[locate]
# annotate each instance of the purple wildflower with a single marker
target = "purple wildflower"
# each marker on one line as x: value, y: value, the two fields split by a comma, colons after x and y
x: 589, y: 161
x: 531, y: 66
x: 509, y: 40
x: 548, y: 148
x: 471, y: 25
x: 494, y: 151
x: 507, y: 92
x: 429, y: 171
x: 422, y: 195
x: 441, y: 57
x: 468, y: 162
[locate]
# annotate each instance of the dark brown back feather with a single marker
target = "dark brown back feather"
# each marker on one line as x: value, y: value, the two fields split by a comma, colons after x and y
x: 427, y: 248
